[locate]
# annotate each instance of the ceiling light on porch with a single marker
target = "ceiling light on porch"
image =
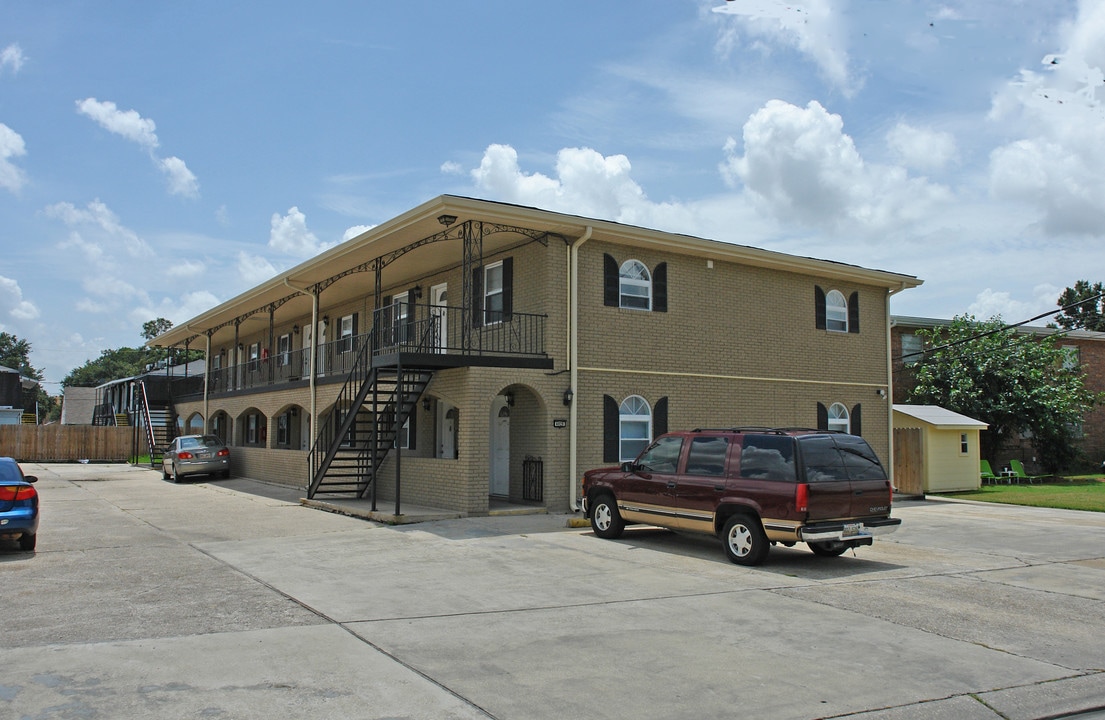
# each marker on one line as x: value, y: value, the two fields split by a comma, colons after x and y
x: 446, y: 220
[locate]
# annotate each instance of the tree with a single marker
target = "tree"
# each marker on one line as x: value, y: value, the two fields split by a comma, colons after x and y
x: 1082, y: 307
x: 15, y: 354
x: 153, y: 328
x: 1016, y: 383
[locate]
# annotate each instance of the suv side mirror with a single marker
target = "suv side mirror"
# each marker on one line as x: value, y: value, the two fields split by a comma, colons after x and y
x: 629, y: 466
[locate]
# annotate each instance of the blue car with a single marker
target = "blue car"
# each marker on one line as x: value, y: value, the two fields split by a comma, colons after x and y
x: 18, y: 505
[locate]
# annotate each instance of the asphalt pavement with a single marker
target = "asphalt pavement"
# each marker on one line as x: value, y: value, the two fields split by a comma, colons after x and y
x: 230, y: 599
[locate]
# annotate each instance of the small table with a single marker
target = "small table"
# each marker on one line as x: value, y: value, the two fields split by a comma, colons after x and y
x: 1008, y: 476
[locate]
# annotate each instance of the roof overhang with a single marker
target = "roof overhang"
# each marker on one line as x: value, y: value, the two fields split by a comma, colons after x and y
x: 331, y: 272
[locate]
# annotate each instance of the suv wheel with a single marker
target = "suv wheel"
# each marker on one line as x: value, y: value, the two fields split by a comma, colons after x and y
x: 605, y: 519
x: 829, y: 548
x: 744, y: 540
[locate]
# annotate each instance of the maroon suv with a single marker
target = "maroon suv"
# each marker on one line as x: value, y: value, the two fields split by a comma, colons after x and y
x: 752, y: 487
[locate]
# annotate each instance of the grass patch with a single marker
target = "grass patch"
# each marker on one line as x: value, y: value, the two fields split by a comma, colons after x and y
x: 1085, y: 492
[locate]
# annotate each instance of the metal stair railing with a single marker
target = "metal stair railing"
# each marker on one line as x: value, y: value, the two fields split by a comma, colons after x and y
x: 340, y: 419
x: 147, y: 421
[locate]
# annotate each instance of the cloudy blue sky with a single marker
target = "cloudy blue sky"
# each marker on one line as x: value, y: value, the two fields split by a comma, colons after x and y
x: 159, y: 158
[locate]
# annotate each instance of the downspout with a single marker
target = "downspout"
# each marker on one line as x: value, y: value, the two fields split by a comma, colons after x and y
x: 573, y: 362
x: 890, y: 390
x: 311, y: 360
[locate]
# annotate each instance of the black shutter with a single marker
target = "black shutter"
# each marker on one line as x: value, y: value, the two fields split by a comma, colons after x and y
x: 384, y: 331
x: 857, y: 429
x: 508, y: 288
x: 660, y: 288
x: 477, y: 297
x: 611, y: 425
x: 819, y: 306
x: 660, y: 418
x: 822, y: 417
x: 413, y: 427
x: 853, y: 315
x: 611, y: 282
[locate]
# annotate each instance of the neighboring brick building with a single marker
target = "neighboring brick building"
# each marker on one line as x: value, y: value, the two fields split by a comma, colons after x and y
x: 1086, y: 349
x: 532, y: 346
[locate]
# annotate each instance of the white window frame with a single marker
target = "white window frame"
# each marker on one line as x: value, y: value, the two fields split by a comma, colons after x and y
x: 253, y: 426
x: 634, y: 411
x: 634, y: 275
x: 964, y: 444
x: 836, y: 311
x: 490, y: 293
x: 839, y: 418
x: 913, y: 348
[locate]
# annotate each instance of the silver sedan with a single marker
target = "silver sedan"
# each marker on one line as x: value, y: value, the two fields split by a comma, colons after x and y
x: 196, y: 455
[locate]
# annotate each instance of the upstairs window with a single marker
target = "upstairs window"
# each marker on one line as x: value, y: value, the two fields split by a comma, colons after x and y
x: 635, y: 286
x: 348, y: 329
x: 283, y: 349
x: 493, y: 293
x: 632, y: 285
x: 913, y: 349
x: 836, y: 312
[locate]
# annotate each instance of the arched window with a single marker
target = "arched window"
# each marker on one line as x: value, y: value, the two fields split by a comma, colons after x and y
x: 634, y: 427
x: 839, y: 419
x: 635, y: 285
x: 836, y: 311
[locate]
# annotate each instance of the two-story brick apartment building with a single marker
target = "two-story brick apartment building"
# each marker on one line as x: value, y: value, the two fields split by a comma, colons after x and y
x: 1083, y: 349
x: 469, y: 350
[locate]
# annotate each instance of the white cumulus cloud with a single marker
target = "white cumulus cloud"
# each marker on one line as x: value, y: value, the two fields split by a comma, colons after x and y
x: 12, y: 176
x: 801, y: 165
x: 354, y: 231
x: 12, y: 303
x: 181, y: 179
x: 290, y: 236
x: 254, y: 269
x: 1054, y: 166
x: 125, y: 123
x: 108, y: 233
x: 11, y: 58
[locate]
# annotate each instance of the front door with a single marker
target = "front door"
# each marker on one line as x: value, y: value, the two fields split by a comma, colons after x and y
x: 500, y: 447
x: 446, y: 431
x: 439, y: 299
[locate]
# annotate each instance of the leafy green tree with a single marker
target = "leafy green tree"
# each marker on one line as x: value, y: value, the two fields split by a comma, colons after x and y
x: 1082, y: 307
x: 153, y: 328
x: 1014, y: 382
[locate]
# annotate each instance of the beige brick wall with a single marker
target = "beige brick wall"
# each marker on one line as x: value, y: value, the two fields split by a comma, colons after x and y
x: 738, y: 345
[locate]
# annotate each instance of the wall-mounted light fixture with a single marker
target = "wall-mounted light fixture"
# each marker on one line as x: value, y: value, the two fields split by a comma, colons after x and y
x: 325, y: 320
x: 295, y: 329
x: 426, y: 404
x: 568, y: 395
x: 509, y: 398
x: 416, y: 292
x: 446, y: 220
x: 880, y: 392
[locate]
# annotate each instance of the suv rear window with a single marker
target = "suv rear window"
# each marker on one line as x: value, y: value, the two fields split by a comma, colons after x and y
x: 768, y: 457
x: 839, y: 457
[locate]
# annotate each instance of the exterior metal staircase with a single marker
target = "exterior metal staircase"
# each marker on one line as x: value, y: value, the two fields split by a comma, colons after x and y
x: 158, y: 424
x: 360, y: 431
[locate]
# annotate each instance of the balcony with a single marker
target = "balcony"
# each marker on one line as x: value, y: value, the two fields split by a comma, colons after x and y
x: 411, y: 335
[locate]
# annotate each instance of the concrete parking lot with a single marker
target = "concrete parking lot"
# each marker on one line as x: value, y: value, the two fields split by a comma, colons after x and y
x: 228, y: 599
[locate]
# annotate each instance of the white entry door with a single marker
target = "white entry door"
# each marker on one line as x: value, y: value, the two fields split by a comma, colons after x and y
x: 446, y: 431
x: 500, y: 447
x: 439, y: 299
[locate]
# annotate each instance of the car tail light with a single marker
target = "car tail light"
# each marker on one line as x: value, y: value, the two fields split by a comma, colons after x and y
x: 14, y: 493
x: 223, y: 453
x: 802, y: 497
x: 184, y: 455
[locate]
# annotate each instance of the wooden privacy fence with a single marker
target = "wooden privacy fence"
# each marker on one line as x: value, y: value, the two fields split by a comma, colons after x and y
x: 909, y: 461
x: 66, y: 443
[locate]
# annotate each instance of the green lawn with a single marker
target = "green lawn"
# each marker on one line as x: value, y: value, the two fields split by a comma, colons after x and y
x: 1085, y: 492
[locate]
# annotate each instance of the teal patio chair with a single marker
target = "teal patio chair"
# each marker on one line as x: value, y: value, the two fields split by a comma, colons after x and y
x: 1018, y: 467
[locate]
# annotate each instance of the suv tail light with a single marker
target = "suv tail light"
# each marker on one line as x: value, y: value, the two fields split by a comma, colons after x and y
x: 802, y: 497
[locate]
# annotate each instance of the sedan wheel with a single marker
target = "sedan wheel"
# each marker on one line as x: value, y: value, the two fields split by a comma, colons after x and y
x: 176, y: 475
x: 27, y: 542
